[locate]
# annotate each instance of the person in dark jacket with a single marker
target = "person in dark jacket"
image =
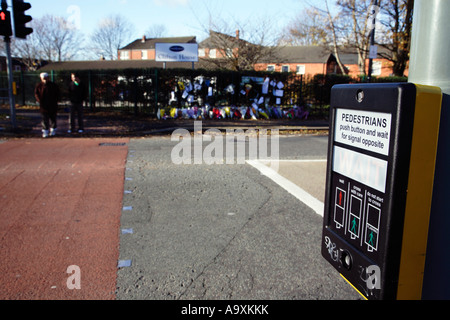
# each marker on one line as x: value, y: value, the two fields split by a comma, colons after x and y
x: 77, y: 95
x: 47, y: 95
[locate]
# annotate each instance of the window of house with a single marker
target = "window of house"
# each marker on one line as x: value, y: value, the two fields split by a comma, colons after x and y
x: 301, y: 68
x: 285, y: 68
x: 376, y: 68
x: 271, y: 68
x: 332, y: 67
x: 201, y: 52
x: 229, y: 52
x: 144, y: 54
x: 124, y: 55
x: 212, y: 53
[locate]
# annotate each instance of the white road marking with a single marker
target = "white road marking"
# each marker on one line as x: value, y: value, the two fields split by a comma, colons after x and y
x: 289, y: 186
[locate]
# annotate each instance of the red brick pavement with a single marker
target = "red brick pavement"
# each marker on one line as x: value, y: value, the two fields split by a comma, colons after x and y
x: 60, y: 205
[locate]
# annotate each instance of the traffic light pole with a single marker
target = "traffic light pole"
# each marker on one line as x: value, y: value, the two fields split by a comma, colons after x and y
x: 12, y: 101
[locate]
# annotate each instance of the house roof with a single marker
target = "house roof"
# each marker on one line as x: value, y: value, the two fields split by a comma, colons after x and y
x: 214, y: 36
x: 316, y: 54
x: 348, y: 57
x: 144, y: 43
x: 302, y: 54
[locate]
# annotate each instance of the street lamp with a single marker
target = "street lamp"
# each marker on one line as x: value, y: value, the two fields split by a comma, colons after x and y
x: 373, y: 51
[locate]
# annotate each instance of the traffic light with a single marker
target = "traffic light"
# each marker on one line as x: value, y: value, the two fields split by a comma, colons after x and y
x: 21, y: 19
x: 5, y: 23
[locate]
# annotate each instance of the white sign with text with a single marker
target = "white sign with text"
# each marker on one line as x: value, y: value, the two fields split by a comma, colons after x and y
x: 364, y: 129
x: 176, y: 52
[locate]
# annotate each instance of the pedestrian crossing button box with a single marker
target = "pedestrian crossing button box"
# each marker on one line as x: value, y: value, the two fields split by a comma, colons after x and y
x: 381, y: 160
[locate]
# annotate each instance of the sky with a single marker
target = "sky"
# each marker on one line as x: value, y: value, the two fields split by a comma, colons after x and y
x: 180, y: 17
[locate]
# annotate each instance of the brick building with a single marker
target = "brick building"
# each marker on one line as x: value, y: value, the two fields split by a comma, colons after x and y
x: 144, y: 49
x: 305, y: 60
x: 312, y: 60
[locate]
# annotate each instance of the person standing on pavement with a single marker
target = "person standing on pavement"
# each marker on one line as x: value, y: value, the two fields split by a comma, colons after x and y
x: 47, y: 95
x: 76, y: 91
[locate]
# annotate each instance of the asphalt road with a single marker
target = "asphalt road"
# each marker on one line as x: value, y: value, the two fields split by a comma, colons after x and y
x: 223, y: 231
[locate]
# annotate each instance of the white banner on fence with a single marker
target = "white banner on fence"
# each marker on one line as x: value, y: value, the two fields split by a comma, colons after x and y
x: 176, y: 52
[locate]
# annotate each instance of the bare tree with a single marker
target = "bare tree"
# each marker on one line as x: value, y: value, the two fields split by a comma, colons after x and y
x: 53, y: 39
x: 156, y: 31
x: 357, y: 13
x: 320, y: 26
x: 239, y: 46
x: 350, y: 28
x: 111, y: 34
x: 29, y: 50
x: 307, y: 29
x: 393, y: 33
x: 332, y: 26
x: 397, y: 16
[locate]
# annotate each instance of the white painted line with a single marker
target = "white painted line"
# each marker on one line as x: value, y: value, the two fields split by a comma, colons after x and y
x: 124, y: 263
x: 127, y: 231
x: 127, y: 208
x: 290, y: 187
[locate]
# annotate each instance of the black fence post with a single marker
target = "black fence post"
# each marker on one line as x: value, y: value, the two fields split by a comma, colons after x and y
x: 22, y: 86
x: 156, y: 89
x: 90, y: 90
x: 135, y: 89
x: 302, y: 95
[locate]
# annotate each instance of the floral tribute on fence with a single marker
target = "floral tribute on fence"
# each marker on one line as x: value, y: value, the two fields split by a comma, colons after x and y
x: 258, y: 98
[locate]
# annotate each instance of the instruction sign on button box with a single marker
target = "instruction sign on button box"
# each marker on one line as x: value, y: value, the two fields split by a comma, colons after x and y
x: 364, y: 129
